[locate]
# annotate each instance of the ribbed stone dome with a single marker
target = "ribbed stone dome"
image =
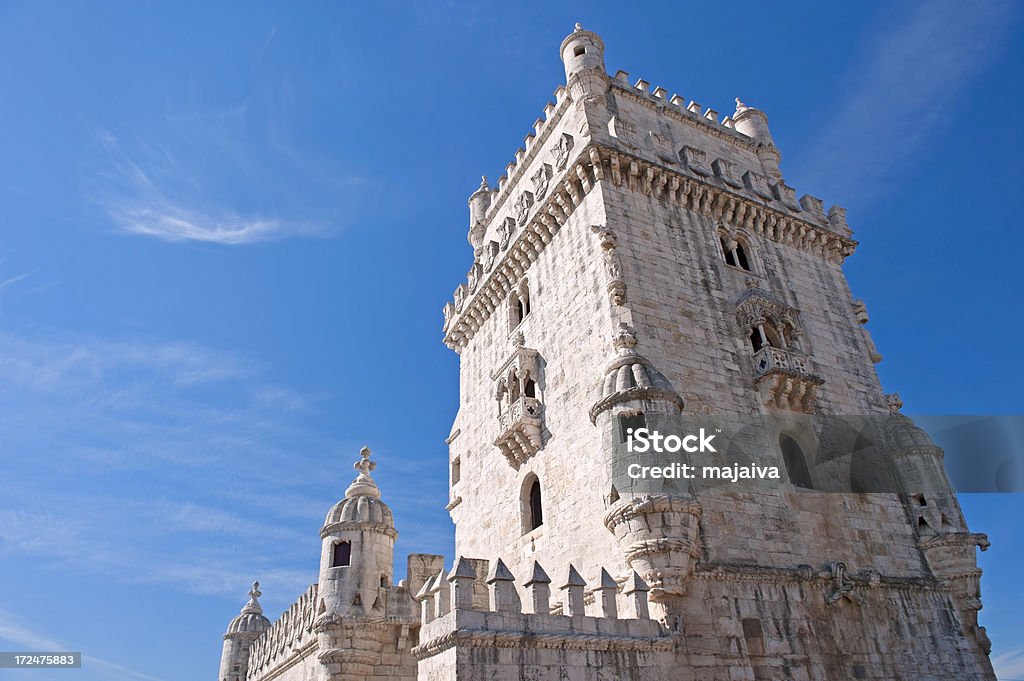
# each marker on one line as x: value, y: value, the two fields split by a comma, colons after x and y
x: 360, y: 509
x: 251, y: 619
x: 902, y: 433
x: 630, y: 377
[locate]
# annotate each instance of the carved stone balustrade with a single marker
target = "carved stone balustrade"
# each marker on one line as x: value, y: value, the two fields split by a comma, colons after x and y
x: 785, y: 379
x: 520, y: 427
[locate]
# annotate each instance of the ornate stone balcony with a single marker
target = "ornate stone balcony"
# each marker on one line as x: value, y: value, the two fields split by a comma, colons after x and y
x: 785, y: 380
x: 520, y: 425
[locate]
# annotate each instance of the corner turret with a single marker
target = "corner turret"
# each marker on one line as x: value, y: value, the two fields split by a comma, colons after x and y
x: 357, y: 556
x: 245, y: 628
x: 582, y: 54
x: 754, y: 124
x: 479, y: 202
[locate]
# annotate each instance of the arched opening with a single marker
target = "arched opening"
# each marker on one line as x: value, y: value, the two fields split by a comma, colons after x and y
x: 764, y: 334
x: 518, y: 309
x: 735, y: 253
x: 796, y: 464
x: 536, y: 509
x: 532, y: 505
x: 530, y: 388
x: 342, y: 554
x: 518, y: 305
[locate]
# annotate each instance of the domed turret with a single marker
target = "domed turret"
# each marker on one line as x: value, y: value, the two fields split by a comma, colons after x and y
x: 358, y: 548
x: 479, y: 202
x: 754, y: 124
x: 631, y: 380
x: 245, y: 628
x: 582, y: 54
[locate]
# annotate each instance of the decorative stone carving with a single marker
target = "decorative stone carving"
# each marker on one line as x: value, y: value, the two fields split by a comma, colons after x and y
x: 660, y: 538
x: 562, y: 149
x: 860, y: 311
x: 520, y: 411
x: 505, y: 231
x: 522, y: 207
x: 842, y: 585
x: 541, y: 180
x: 615, y: 285
x: 696, y: 161
x: 726, y: 172
x: 758, y: 184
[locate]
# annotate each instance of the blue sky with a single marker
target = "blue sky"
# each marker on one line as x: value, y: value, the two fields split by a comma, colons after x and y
x: 228, y: 232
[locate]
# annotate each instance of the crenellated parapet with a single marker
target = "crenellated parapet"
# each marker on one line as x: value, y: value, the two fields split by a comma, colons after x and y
x: 537, y: 633
x: 287, y: 639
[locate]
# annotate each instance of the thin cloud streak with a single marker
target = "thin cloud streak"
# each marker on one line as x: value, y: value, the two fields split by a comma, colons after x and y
x: 1010, y: 664
x: 138, y: 203
x: 902, y: 88
x: 13, y: 630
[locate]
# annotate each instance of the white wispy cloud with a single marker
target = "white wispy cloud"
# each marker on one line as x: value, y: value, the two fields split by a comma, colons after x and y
x: 139, y: 199
x: 14, y: 280
x: 902, y: 86
x: 1009, y: 664
x: 13, y: 629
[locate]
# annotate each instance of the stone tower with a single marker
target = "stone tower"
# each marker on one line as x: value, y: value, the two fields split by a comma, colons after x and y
x: 242, y: 631
x: 642, y: 262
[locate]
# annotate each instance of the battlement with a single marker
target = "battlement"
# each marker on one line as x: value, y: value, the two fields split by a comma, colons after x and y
x: 288, y: 637
x: 453, y: 616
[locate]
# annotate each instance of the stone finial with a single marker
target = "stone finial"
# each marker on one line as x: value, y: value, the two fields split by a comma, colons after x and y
x: 538, y: 588
x: 253, y: 607
x: 740, y: 106
x: 604, y: 594
x: 572, y: 593
x: 441, y: 593
x: 837, y: 221
x: 502, y: 587
x: 363, y: 485
x: 579, y: 27
x: 461, y: 578
x: 636, y: 595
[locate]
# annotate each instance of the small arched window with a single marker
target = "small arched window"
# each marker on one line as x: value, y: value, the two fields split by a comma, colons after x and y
x: 531, y: 504
x: 536, y: 509
x: 796, y: 464
x: 518, y: 305
x: 735, y: 253
x: 763, y: 334
x: 342, y: 554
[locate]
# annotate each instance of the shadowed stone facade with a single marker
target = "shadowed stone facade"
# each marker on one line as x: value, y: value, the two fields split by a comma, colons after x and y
x: 643, y: 259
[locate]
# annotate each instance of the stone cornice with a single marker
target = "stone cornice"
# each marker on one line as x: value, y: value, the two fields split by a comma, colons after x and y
x: 487, y: 638
x: 474, y: 304
x: 358, y: 526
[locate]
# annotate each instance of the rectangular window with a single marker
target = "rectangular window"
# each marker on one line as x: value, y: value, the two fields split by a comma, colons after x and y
x: 342, y: 554
x: 634, y: 422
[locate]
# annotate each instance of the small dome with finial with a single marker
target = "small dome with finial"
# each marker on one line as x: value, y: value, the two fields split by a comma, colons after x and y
x: 251, y: 620
x: 361, y: 506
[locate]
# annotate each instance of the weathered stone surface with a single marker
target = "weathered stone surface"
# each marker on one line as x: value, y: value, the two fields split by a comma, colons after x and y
x: 641, y: 258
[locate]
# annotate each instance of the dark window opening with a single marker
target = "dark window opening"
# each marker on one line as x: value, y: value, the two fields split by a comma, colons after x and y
x: 342, y: 554
x: 741, y: 257
x: 536, y: 511
x: 518, y: 311
x: 727, y: 252
x: 580, y: 51
x: 755, y: 340
x: 796, y: 464
x: 631, y: 423
x: 530, y: 388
